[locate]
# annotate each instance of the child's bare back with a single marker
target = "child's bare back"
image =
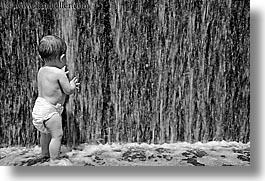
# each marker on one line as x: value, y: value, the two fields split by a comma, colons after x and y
x: 53, y: 85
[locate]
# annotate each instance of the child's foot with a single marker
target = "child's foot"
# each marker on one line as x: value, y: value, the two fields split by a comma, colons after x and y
x: 45, y: 156
x: 60, y: 162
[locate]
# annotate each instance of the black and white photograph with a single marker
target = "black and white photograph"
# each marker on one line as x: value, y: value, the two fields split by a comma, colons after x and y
x: 125, y: 83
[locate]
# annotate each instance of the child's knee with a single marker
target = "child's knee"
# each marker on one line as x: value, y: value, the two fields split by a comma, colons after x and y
x: 57, y: 134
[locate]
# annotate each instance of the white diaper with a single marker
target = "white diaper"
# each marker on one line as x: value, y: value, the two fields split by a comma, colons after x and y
x: 42, y: 111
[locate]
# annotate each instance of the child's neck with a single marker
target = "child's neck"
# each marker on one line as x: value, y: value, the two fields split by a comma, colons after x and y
x: 52, y: 64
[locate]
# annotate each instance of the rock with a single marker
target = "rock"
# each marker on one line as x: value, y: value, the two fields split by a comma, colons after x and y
x: 133, y: 154
x: 198, y: 153
x: 117, y: 150
x: 162, y: 150
x: 151, y: 157
x: 244, y: 158
x: 89, y: 164
x: 79, y: 147
x: 193, y: 161
x: 227, y: 165
x: 167, y: 157
x: 98, y: 158
x: 111, y: 154
x: 186, y: 154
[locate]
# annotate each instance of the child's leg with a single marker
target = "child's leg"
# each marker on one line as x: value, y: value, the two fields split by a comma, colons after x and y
x: 54, y: 125
x: 45, y: 139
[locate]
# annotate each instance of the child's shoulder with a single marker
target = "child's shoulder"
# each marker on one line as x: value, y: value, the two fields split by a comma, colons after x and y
x: 50, y: 70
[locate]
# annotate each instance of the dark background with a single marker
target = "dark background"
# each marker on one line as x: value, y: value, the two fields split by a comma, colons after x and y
x: 150, y: 71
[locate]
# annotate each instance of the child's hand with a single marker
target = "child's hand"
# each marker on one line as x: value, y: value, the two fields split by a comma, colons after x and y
x: 74, y: 83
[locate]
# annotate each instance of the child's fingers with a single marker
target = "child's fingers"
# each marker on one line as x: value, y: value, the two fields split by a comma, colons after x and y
x: 74, y: 79
x: 66, y: 72
x: 77, y: 86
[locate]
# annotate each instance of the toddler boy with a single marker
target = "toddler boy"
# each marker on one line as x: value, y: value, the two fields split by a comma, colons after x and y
x: 53, y: 86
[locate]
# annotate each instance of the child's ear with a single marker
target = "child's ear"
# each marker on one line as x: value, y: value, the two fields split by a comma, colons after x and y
x: 62, y: 57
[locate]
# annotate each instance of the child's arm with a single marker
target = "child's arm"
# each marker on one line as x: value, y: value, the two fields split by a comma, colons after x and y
x: 68, y: 87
